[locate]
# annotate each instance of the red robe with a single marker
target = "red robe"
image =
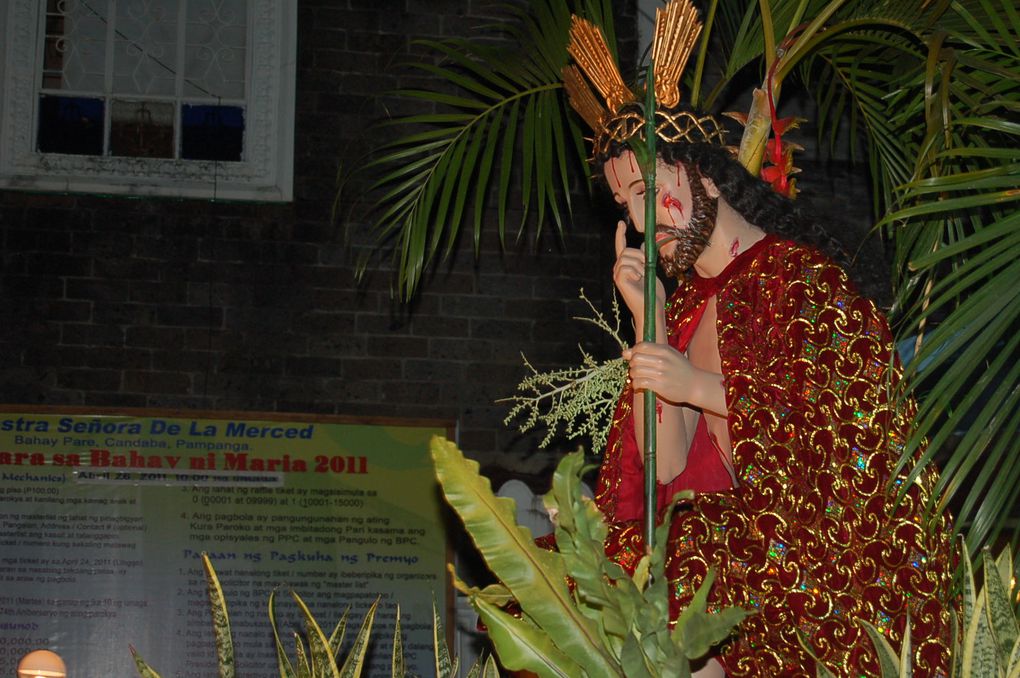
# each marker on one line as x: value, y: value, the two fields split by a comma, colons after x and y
x: 808, y: 539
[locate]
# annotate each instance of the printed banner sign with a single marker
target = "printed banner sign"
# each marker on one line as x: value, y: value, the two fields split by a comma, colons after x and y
x: 103, y: 519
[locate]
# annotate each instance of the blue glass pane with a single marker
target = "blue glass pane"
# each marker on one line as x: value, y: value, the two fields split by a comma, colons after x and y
x: 212, y: 132
x: 70, y: 125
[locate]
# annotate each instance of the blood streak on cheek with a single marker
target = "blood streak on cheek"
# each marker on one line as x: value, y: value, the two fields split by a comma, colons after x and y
x: 668, y: 201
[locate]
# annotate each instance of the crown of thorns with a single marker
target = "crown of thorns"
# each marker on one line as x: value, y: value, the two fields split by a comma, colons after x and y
x: 670, y: 126
x: 622, y: 119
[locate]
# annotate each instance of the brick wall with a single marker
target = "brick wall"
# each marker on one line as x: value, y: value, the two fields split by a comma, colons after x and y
x: 224, y: 306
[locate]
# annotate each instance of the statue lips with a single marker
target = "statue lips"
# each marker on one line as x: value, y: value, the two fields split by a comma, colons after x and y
x: 665, y: 234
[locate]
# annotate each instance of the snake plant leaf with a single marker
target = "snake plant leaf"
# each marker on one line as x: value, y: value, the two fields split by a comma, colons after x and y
x: 320, y: 656
x: 1001, y: 615
x: 484, y: 667
x: 1014, y: 660
x: 956, y: 638
x: 283, y: 664
x: 336, y: 638
x: 534, y: 576
x: 444, y: 666
x: 888, y: 662
x: 979, y: 653
x: 220, y: 619
x: 980, y: 648
x: 144, y: 670
x: 968, y: 592
x: 821, y: 670
x: 304, y: 666
x: 356, y: 657
x: 906, y: 655
x: 398, y: 665
x: 490, y: 670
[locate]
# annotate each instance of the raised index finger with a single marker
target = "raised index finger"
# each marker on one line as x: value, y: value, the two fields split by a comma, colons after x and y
x: 621, y: 237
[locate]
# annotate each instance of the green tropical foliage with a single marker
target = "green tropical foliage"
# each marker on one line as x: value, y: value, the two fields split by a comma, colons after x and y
x: 929, y: 88
x: 953, y: 225
x: 610, y: 624
x: 316, y: 655
x: 506, y: 120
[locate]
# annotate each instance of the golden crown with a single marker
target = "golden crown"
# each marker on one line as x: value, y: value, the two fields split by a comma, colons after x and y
x: 622, y: 118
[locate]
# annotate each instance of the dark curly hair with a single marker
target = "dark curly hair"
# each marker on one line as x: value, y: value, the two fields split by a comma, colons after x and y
x: 752, y: 198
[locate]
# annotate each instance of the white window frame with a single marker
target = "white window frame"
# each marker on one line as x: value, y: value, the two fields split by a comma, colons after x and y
x: 265, y: 174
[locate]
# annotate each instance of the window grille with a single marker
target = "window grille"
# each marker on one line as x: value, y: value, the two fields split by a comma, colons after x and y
x: 149, y: 97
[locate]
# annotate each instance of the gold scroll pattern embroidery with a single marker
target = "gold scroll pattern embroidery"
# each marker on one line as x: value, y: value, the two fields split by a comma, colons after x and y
x: 810, y: 540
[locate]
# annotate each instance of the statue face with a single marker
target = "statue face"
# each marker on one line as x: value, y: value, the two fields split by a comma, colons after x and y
x: 684, y: 212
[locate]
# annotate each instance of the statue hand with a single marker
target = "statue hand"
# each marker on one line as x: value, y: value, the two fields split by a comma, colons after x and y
x: 663, y: 369
x: 629, y: 276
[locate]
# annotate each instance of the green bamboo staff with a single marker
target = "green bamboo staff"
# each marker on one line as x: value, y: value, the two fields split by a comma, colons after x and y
x: 651, y: 253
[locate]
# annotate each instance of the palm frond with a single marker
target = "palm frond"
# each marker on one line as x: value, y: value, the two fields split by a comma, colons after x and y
x: 494, y: 118
x: 957, y: 243
x: 862, y: 72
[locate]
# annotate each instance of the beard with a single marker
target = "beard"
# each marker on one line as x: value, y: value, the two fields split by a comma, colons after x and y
x: 691, y: 240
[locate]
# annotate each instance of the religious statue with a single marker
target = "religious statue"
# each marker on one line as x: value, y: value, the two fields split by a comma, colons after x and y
x: 775, y: 384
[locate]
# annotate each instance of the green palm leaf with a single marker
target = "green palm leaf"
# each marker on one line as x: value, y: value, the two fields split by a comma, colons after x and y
x: 954, y: 228
x: 496, y: 110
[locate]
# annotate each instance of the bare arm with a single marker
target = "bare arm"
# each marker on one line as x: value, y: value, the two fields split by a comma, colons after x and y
x: 670, y: 374
x: 675, y: 422
x: 674, y: 431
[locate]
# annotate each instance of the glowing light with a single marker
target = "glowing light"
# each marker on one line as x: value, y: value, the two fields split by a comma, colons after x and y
x: 42, y: 664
